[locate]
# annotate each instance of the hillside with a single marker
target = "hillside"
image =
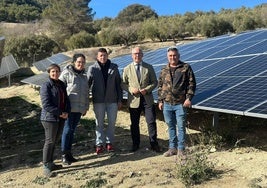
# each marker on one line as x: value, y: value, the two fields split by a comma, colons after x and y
x: 21, y: 138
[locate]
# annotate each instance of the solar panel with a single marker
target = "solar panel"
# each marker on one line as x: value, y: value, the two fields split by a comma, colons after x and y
x: 8, y: 66
x: 36, y: 80
x: 59, y: 59
x: 241, y: 97
x: 39, y: 79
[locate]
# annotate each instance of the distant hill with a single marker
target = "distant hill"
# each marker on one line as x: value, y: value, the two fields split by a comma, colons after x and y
x: 20, y: 11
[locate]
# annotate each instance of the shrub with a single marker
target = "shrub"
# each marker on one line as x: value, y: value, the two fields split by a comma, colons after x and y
x: 195, y: 170
x: 80, y: 40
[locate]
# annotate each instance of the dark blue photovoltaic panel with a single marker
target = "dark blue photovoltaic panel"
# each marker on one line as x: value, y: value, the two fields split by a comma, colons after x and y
x: 241, y: 97
x: 202, y: 54
x: 158, y: 68
x: 248, y: 68
x: 199, y: 80
x: 42, y: 65
x: 198, y: 65
x: 261, y: 109
x: 39, y: 79
x: 156, y: 57
x: 213, y: 86
x: 231, y: 50
x: 259, y: 47
x: 57, y: 58
x: 257, y: 36
x: 220, y: 66
x: 122, y: 61
x: 36, y: 80
x: 199, y: 45
x: 235, y: 39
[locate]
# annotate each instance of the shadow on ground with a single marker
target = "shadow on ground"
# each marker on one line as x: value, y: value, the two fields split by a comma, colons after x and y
x: 22, y: 137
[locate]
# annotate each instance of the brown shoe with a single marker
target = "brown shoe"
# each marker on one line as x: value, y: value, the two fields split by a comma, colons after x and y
x: 181, y: 157
x: 170, y: 152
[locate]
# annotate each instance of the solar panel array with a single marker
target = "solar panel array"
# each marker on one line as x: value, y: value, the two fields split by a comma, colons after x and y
x: 231, y: 72
x: 8, y: 66
x: 37, y: 80
x: 56, y: 58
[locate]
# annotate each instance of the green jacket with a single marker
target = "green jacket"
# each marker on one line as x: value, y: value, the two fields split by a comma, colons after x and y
x: 148, y: 82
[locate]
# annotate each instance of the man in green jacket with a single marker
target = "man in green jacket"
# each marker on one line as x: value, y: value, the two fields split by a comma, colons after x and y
x: 139, y: 80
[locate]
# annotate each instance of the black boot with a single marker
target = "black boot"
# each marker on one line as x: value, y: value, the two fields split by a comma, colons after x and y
x: 66, y: 159
x: 71, y: 158
x: 56, y: 166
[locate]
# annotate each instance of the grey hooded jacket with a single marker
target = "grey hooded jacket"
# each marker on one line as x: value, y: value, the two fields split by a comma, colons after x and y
x: 77, y: 88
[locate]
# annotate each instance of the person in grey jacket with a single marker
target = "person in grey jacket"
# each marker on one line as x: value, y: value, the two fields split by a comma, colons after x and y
x: 55, y: 110
x: 104, y: 80
x: 75, y: 79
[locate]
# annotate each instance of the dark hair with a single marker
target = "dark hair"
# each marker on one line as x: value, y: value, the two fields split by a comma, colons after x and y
x: 103, y: 50
x: 76, y: 56
x: 52, y: 66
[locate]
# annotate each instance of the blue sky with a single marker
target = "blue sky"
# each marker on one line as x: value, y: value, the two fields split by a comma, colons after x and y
x: 111, y: 8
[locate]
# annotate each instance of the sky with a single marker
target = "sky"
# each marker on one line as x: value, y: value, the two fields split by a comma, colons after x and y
x: 111, y: 8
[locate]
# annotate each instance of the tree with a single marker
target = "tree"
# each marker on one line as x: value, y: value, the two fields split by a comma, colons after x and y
x: 102, y: 23
x: 108, y: 36
x: 150, y: 29
x: 68, y: 17
x: 128, y: 34
x: 19, y: 11
x: 135, y: 13
x: 80, y: 40
x: 26, y: 50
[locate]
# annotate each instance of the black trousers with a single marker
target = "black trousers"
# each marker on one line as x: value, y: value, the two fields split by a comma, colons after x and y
x: 53, y: 131
x: 150, y: 115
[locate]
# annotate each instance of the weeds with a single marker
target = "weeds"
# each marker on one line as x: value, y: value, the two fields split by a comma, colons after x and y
x: 93, y: 183
x: 254, y: 183
x: 196, y: 170
x: 97, y: 182
x: 41, y: 180
x: 209, y: 136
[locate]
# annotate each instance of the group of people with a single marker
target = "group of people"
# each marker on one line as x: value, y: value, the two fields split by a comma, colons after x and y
x: 65, y: 98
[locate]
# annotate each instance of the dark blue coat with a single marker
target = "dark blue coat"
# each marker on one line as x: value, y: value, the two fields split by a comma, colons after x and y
x: 50, y: 101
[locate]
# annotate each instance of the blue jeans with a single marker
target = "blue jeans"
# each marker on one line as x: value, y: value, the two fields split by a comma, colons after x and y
x: 101, y: 110
x: 175, y: 116
x: 68, y: 130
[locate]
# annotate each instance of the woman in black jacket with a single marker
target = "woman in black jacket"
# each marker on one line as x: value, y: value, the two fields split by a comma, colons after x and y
x: 55, y: 110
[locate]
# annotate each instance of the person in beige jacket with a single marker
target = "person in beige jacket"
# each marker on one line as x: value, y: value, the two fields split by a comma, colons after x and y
x: 139, y: 80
